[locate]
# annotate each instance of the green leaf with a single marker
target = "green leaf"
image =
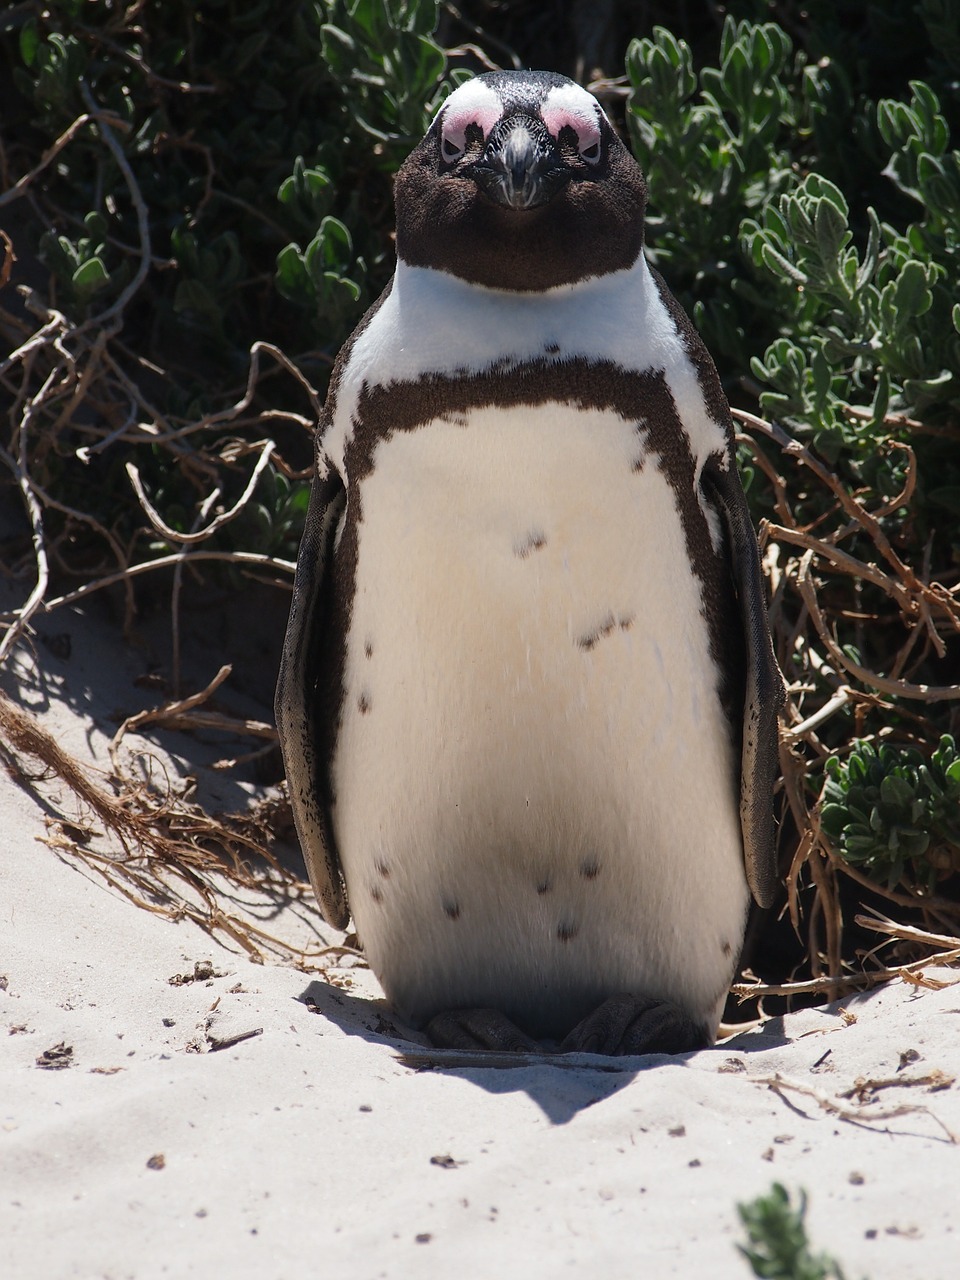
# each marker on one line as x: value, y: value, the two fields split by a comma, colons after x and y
x: 871, y: 254
x: 831, y: 229
x: 29, y: 42
x: 193, y: 298
x: 774, y: 260
x: 936, y: 134
x: 913, y: 843
x: 821, y: 378
x: 833, y: 818
x: 911, y: 296
x: 821, y: 188
x: 881, y: 399
x: 339, y: 50
x: 293, y: 279
x: 896, y: 791
x: 90, y: 276
x: 331, y: 247
x: 859, y: 846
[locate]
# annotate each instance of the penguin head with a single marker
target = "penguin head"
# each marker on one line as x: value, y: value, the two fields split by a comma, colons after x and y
x: 520, y: 184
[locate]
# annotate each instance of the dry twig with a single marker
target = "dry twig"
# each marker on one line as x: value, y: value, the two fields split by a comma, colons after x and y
x: 782, y: 1087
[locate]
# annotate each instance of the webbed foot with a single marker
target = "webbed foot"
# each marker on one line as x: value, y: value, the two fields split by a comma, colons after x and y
x: 626, y: 1024
x: 468, y: 1029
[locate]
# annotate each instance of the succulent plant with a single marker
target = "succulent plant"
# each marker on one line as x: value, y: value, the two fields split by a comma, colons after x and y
x: 893, y: 813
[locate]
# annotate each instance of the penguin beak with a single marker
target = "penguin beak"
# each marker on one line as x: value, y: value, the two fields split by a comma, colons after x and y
x: 521, y: 167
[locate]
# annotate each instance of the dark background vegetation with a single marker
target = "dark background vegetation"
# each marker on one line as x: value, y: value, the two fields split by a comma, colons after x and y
x: 196, y: 211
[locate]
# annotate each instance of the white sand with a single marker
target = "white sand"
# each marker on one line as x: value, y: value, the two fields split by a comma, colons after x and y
x: 312, y: 1149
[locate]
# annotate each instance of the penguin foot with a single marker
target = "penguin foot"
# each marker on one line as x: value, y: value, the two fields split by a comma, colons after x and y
x: 479, y: 1029
x: 626, y: 1024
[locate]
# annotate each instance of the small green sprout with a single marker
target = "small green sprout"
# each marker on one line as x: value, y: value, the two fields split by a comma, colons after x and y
x: 778, y: 1247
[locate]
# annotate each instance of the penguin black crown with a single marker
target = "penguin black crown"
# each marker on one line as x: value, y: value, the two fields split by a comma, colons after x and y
x: 528, y: 699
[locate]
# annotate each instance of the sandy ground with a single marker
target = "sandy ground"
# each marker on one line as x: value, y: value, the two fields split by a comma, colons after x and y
x: 168, y: 1146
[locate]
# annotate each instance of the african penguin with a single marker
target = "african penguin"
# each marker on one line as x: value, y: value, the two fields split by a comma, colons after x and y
x: 528, y: 699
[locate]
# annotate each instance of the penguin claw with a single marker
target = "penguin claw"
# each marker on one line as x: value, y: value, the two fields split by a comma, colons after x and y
x: 468, y: 1029
x: 626, y: 1024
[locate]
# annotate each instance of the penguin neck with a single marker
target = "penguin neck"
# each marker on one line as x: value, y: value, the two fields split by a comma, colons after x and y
x: 430, y: 322
x: 433, y: 322
x: 439, y: 323
x: 411, y: 282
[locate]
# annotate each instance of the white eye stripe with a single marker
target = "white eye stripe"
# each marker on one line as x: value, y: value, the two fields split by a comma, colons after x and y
x: 474, y: 103
x: 569, y: 106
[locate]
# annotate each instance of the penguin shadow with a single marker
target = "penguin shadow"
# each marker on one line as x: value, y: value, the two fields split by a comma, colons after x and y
x: 772, y: 1034
x: 784, y: 1030
x: 561, y: 1085
x: 370, y: 1019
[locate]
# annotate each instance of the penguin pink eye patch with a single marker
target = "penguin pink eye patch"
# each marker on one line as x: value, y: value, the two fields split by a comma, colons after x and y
x: 456, y: 123
x: 584, y: 123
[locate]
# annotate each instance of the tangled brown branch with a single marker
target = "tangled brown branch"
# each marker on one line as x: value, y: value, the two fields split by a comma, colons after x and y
x: 72, y: 393
x: 819, y: 590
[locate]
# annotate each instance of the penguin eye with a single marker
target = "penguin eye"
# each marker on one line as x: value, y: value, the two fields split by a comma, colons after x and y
x: 576, y: 140
x: 450, y: 150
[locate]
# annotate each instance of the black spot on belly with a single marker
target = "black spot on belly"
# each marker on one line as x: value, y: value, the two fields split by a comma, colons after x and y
x: 590, y: 868
x: 543, y: 886
x: 363, y: 703
x: 590, y: 639
x: 368, y: 649
x: 726, y: 948
x: 376, y: 893
x: 383, y: 869
x: 566, y: 930
x: 452, y: 910
x: 534, y: 540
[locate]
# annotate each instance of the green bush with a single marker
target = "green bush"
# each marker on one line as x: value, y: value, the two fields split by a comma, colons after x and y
x: 762, y: 241
x: 248, y: 130
x: 258, y: 145
x: 877, y: 329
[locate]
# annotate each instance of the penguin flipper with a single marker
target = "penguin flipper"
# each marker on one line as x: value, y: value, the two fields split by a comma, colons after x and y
x: 764, y: 694
x: 296, y: 698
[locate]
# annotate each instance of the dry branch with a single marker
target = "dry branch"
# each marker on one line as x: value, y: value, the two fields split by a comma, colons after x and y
x: 176, y: 861
x: 218, y: 522
x: 820, y: 596
x: 783, y: 1087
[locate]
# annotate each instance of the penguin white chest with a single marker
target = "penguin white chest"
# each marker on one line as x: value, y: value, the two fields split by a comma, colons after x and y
x: 534, y: 784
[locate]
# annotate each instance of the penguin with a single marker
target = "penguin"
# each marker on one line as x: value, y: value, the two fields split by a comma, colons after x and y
x: 528, y: 700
